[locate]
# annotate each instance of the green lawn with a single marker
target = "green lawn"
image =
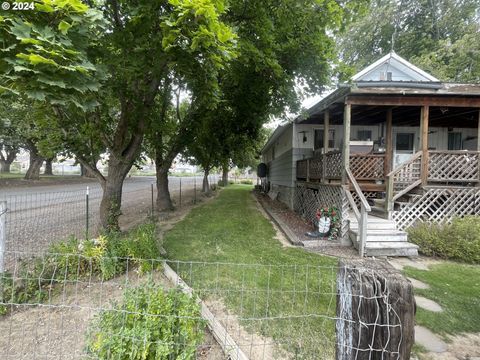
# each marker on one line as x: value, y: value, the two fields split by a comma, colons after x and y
x: 11, y: 176
x: 226, y: 249
x: 456, y: 287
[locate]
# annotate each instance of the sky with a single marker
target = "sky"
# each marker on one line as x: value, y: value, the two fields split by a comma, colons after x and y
x: 306, y: 104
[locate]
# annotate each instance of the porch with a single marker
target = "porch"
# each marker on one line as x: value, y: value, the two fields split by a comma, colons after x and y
x: 429, y: 182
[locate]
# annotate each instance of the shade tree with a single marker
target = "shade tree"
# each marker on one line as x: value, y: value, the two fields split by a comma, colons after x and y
x: 128, y: 48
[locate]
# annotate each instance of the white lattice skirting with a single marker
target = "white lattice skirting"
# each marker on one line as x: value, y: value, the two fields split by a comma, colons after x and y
x: 439, y: 205
x: 308, y: 200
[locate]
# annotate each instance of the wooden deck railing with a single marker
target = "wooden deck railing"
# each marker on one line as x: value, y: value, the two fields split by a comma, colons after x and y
x: 453, y: 166
x: 329, y: 167
x: 403, y: 179
x: 362, y: 215
x: 367, y: 166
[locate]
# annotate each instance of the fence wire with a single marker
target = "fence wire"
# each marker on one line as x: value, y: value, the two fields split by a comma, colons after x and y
x: 71, y: 306
x: 35, y: 220
x: 60, y: 306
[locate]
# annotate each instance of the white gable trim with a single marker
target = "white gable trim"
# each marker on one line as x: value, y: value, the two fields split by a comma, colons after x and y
x: 401, y: 60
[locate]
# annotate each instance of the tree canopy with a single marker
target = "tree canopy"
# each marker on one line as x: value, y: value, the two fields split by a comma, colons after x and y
x: 439, y: 36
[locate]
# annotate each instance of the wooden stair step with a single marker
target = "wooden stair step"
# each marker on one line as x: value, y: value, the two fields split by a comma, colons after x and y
x: 382, y: 235
x: 389, y: 248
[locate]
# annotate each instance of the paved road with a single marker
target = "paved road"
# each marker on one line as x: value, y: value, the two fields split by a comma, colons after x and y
x: 40, y: 215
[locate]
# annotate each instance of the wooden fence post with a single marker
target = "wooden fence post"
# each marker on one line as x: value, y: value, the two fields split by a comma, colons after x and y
x: 375, y: 311
x: 3, y: 234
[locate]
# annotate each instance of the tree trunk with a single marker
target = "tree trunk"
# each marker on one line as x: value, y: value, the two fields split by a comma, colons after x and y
x: 110, y: 206
x: 206, y: 185
x: 6, y: 161
x: 225, y: 169
x: 84, y: 172
x: 36, y: 161
x: 48, y: 167
x: 164, y: 201
x: 4, y: 166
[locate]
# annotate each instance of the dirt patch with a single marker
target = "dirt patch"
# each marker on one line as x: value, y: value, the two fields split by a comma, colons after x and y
x: 57, y: 329
x: 255, y: 346
x: 459, y: 347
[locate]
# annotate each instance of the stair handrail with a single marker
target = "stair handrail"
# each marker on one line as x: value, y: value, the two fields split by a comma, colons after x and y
x: 390, y: 196
x: 362, y: 217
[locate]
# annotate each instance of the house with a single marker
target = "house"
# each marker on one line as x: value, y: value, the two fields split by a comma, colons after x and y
x: 411, y: 154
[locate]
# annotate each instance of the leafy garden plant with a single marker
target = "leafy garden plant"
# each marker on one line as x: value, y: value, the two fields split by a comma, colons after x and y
x: 105, y: 257
x: 459, y: 240
x: 149, y: 323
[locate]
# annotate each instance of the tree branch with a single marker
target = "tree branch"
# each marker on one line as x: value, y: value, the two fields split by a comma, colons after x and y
x: 116, y: 13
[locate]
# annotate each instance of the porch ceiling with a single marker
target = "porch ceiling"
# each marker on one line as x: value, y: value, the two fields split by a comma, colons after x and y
x: 451, y: 105
x: 440, y: 116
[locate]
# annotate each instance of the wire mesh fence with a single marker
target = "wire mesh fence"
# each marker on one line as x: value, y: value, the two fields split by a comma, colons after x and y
x: 78, y: 301
x: 60, y: 306
x: 35, y: 220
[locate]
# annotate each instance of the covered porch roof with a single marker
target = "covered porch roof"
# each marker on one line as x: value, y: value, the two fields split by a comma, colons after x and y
x: 450, y: 104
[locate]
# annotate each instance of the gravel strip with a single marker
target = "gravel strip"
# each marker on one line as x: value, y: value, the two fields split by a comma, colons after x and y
x: 296, y: 227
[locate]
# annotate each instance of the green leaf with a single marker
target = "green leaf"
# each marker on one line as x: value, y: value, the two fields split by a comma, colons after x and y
x: 52, y: 82
x: 20, y: 29
x: 18, y: 68
x: 35, y: 59
x: 36, y: 94
x: 43, y: 7
x: 30, y: 41
x: 64, y: 27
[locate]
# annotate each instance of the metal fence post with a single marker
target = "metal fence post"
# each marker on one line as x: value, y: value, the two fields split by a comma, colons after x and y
x: 180, y: 198
x: 87, y: 215
x: 153, y: 206
x: 3, y: 233
x: 195, y: 189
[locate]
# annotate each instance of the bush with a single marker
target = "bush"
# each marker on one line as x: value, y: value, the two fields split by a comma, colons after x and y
x: 459, y: 240
x: 105, y: 256
x: 246, y: 181
x: 149, y: 324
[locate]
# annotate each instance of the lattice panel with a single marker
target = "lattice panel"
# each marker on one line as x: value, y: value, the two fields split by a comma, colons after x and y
x: 367, y: 167
x: 307, y: 201
x: 407, y: 175
x: 367, y: 194
x: 439, y: 205
x: 453, y: 166
x: 302, y: 169
x: 316, y: 168
x: 333, y: 165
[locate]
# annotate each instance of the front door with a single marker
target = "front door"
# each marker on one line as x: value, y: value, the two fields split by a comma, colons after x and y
x: 404, y: 147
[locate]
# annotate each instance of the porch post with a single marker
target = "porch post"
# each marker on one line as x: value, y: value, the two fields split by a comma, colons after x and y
x: 478, y: 131
x: 388, y: 143
x: 424, y: 143
x: 326, y: 130
x: 478, y: 146
x: 346, y: 141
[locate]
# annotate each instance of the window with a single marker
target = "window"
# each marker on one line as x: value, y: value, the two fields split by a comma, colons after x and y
x: 404, y: 141
x: 454, y: 141
x: 364, y: 135
x: 318, y: 144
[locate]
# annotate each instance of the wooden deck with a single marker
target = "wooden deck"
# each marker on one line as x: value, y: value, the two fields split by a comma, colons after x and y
x: 435, y: 186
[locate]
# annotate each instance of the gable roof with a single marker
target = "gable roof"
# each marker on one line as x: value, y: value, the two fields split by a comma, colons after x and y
x: 401, y: 70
